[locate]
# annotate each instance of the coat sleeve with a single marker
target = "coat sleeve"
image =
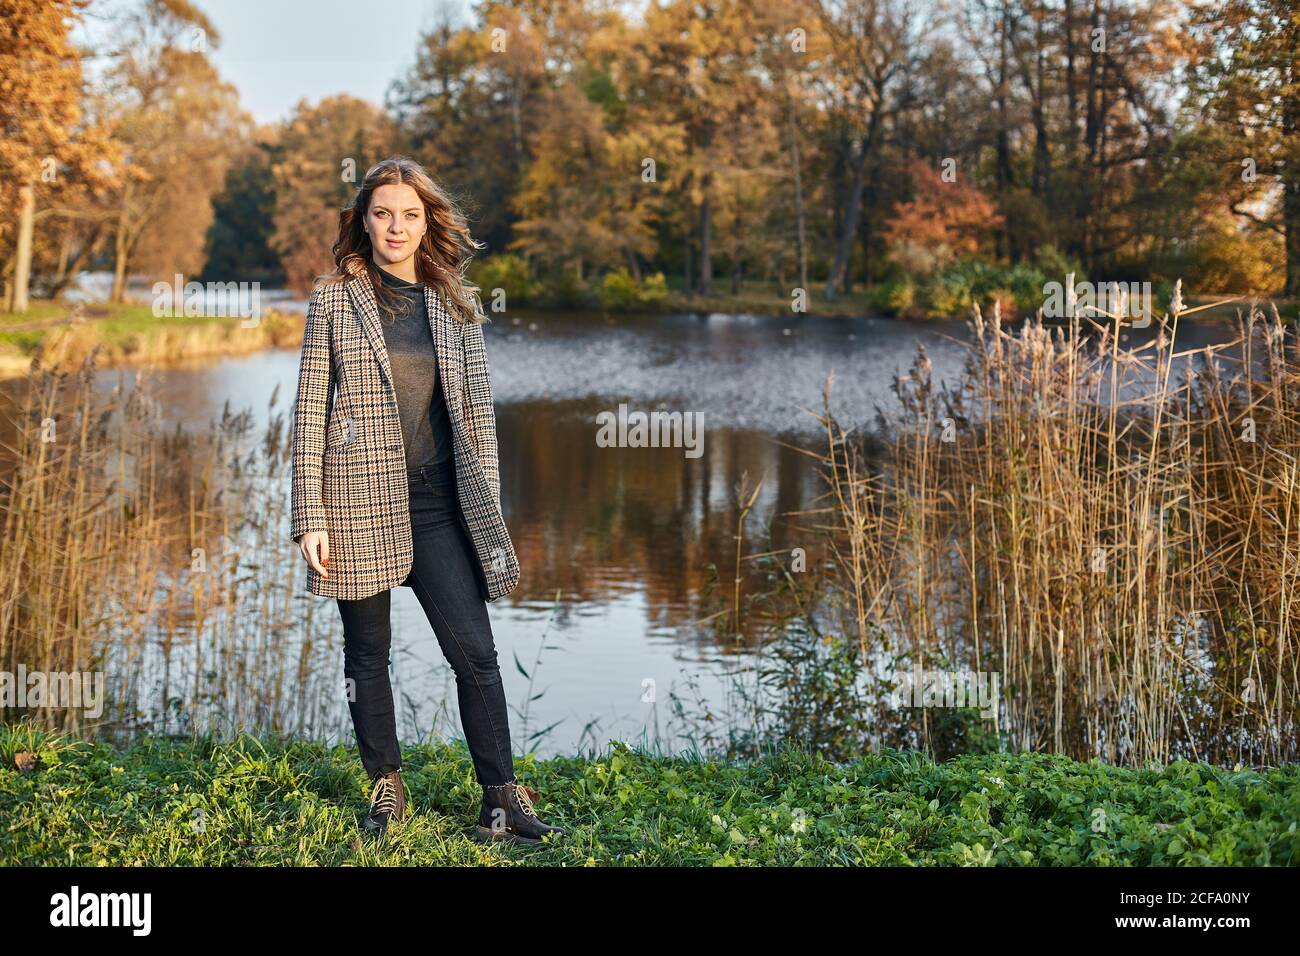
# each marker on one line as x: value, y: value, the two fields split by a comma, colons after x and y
x: 483, y: 428
x: 309, y: 420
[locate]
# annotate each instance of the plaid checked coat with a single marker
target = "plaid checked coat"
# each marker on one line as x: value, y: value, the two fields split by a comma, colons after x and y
x: 349, y: 459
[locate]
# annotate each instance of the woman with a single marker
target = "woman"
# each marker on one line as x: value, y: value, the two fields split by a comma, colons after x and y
x: 395, y: 480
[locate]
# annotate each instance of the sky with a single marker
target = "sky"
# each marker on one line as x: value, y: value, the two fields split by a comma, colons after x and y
x: 277, y: 52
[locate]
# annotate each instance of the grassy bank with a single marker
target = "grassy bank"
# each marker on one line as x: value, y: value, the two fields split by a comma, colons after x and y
x: 131, y: 334
x: 948, y: 293
x: 763, y: 298
x: 124, y: 334
x: 264, y: 803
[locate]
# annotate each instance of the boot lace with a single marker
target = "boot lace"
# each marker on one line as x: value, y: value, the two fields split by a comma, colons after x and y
x: 525, y: 804
x: 521, y: 793
x: 383, y: 798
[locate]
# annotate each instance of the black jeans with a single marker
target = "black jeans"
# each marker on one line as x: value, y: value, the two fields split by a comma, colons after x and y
x: 445, y: 581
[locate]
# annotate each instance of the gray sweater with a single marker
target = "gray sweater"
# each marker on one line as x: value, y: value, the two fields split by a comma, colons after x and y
x: 426, y: 429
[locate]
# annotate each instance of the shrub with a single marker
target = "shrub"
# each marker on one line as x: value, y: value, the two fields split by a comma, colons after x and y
x: 654, y: 288
x: 1052, y: 262
x: 507, y: 272
x: 619, y: 290
x: 1025, y: 284
x: 895, y: 297
x: 564, y: 288
x: 954, y: 290
x: 950, y: 292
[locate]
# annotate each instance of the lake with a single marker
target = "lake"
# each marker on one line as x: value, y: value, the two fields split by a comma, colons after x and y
x: 618, y: 546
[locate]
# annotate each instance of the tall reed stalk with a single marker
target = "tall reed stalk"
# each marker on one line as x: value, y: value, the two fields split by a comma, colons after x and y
x: 1114, y: 530
x: 157, y: 558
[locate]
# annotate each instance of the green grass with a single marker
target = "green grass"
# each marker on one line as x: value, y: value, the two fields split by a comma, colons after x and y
x: 45, y: 310
x: 763, y: 298
x: 264, y: 803
x: 116, y: 324
x: 117, y: 318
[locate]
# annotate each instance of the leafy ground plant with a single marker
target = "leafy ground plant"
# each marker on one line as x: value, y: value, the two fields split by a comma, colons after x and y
x: 267, y: 802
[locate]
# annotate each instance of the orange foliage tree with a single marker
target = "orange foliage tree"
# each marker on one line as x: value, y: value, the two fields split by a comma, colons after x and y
x: 944, y: 221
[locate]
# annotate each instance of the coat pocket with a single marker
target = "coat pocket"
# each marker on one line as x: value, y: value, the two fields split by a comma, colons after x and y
x: 342, y: 434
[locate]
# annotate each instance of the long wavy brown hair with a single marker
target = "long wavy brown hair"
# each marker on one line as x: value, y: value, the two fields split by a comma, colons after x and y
x: 438, y: 259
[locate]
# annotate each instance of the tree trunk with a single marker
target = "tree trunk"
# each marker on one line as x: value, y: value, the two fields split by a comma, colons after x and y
x: 1003, y: 137
x: 65, y: 244
x: 1073, y: 245
x: 1085, y: 218
x: 1071, y: 95
x: 687, y: 286
x: 869, y: 221
x: 849, y: 228
x: 1099, y: 230
x: 1042, y: 151
x: 23, y: 249
x: 1291, y: 199
x: 706, y: 238
x: 801, y: 239
x: 120, y: 246
x: 735, y: 249
x: 84, y: 254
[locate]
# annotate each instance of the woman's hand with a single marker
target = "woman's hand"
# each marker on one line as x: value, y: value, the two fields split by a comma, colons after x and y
x: 315, y: 547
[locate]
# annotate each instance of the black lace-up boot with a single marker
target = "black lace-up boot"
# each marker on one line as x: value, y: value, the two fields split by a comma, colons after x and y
x: 387, y: 803
x: 508, y: 814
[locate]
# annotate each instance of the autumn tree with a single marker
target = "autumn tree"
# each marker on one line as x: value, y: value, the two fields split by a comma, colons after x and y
x: 322, y: 154
x: 468, y: 108
x: 791, y: 49
x: 239, y: 241
x: 175, y: 119
x: 1248, y: 85
x: 946, y: 220
x: 864, y: 90
x: 693, y: 66
x: 52, y: 160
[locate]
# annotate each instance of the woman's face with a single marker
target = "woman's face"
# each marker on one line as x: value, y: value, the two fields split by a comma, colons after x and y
x: 396, y: 223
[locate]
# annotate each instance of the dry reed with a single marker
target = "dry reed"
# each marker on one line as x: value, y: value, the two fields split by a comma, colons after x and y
x: 1113, y: 530
x: 157, y: 558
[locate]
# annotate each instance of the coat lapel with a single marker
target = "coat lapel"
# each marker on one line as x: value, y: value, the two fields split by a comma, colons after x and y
x: 446, y: 340
x: 363, y: 299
